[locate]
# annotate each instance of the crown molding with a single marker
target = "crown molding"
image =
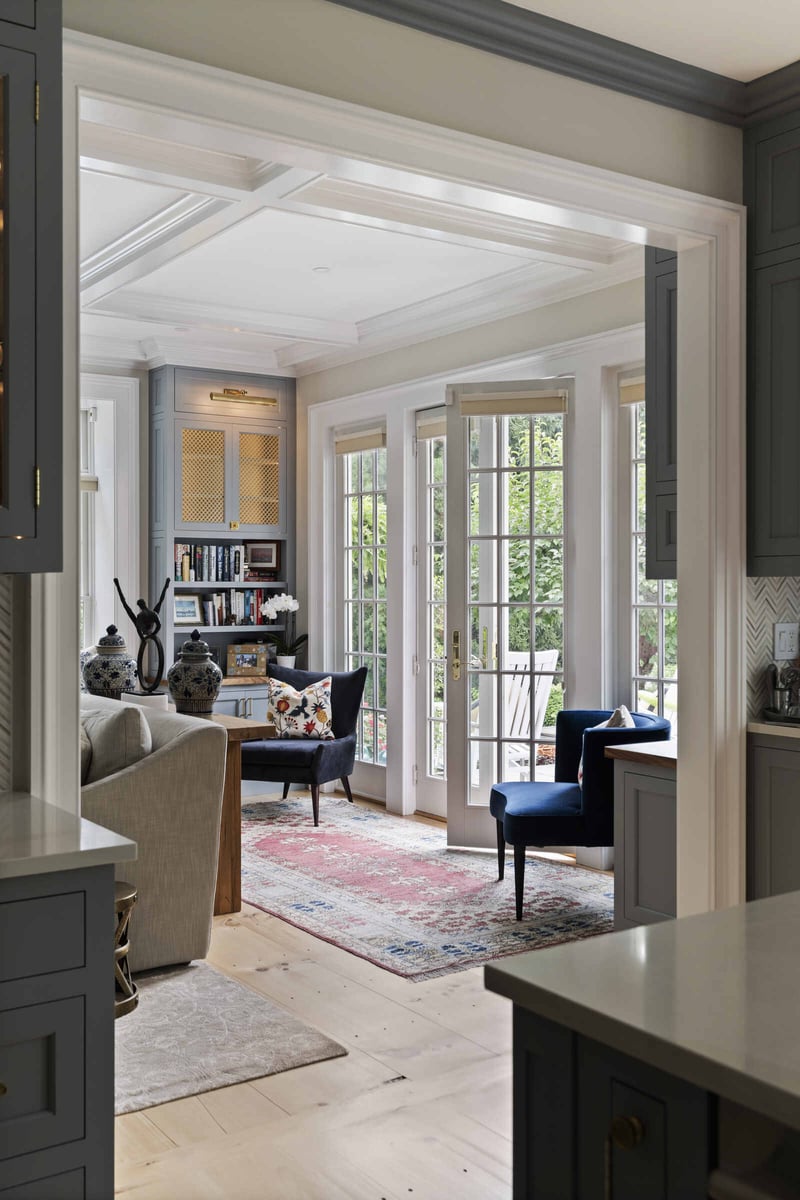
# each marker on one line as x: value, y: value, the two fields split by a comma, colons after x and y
x: 528, y: 37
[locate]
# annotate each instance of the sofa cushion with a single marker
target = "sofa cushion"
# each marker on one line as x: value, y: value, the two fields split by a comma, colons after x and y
x: 86, y: 755
x: 119, y: 738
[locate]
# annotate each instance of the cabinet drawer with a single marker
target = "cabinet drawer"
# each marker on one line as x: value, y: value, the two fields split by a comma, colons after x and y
x: 54, y: 939
x: 265, y: 397
x: 67, y: 1185
x: 20, y: 12
x: 41, y: 1070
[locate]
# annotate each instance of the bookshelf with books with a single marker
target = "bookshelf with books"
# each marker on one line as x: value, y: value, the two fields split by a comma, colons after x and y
x: 222, y: 513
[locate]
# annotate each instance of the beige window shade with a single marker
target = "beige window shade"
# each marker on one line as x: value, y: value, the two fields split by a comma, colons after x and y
x: 494, y: 404
x: 362, y: 439
x: 431, y: 423
x: 631, y: 391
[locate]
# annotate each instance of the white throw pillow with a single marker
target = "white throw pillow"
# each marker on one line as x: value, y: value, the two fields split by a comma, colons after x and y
x: 119, y: 738
x: 305, y: 714
x: 619, y: 719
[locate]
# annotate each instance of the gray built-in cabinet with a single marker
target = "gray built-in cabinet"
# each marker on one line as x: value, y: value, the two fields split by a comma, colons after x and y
x: 645, y: 843
x: 222, y: 453
x: 31, y: 508
x: 661, y: 391
x: 773, y: 815
x: 772, y: 194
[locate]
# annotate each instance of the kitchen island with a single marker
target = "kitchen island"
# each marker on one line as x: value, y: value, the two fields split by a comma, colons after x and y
x: 661, y: 1061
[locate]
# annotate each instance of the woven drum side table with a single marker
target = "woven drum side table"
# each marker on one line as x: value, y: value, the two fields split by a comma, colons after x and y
x: 127, y: 993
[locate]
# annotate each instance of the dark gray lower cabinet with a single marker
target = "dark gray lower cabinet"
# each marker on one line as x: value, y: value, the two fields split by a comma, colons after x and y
x: 593, y: 1124
x: 57, y: 1036
x: 773, y: 816
x: 645, y: 844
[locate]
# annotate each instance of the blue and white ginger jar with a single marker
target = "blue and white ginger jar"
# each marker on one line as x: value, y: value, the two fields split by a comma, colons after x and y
x: 194, y: 678
x: 111, y: 670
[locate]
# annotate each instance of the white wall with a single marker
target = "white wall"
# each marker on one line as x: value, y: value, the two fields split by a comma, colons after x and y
x: 320, y: 47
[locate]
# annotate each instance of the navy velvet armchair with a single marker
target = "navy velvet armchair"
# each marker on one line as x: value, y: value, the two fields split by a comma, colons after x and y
x: 564, y: 813
x: 311, y: 762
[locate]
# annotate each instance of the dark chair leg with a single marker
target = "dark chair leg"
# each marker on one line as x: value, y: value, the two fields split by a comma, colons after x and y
x: 315, y: 801
x: 346, y: 785
x: 519, y: 877
x: 286, y: 787
x: 501, y: 851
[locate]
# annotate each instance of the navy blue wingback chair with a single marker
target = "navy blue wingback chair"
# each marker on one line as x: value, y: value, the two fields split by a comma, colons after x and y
x: 565, y: 813
x: 311, y: 761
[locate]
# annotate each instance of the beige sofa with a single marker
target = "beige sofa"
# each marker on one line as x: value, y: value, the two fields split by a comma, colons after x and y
x: 169, y: 802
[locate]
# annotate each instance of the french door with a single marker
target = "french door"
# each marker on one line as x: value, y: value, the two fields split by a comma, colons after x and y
x: 504, y: 586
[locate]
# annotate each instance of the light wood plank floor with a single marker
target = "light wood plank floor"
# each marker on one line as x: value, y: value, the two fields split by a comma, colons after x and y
x: 420, y: 1109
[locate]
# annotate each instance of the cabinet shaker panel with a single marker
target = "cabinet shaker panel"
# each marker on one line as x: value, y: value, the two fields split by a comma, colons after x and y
x: 661, y: 392
x: 777, y: 216
x: 773, y: 820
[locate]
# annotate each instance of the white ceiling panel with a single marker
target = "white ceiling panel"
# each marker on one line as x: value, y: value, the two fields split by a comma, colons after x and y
x: 267, y: 262
x: 736, y: 38
x: 111, y: 207
x: 99, y: 325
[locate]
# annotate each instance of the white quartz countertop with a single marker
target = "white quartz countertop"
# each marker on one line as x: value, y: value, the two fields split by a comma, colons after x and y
x: 36, y: 837
x: 714, y: 999
x: 774, y: 729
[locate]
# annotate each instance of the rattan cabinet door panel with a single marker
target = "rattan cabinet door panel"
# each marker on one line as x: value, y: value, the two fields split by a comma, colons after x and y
x: 203, y: 476
x: 259, y: 457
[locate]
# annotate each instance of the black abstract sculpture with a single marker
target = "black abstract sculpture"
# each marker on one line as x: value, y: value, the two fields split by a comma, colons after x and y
x: 148, y: 625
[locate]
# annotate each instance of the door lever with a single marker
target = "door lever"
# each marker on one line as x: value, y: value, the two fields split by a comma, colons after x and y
x: 455, y: 659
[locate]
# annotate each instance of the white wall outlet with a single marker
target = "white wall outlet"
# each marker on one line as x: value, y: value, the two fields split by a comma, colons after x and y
x: 785, y: 634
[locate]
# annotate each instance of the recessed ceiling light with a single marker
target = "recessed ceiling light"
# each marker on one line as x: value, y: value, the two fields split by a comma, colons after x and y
x: 320, y: 270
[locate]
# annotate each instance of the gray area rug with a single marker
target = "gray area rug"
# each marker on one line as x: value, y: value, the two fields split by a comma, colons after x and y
x: 196, y: 1030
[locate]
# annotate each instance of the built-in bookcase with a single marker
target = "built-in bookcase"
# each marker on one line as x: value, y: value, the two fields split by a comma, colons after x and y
x: 221, y: 448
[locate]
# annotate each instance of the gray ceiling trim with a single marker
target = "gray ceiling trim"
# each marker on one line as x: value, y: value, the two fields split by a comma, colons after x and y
x: 528, y: 37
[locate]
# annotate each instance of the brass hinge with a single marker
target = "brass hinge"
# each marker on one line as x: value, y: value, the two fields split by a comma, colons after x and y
x: 37, y: 487
x: 36, y: 102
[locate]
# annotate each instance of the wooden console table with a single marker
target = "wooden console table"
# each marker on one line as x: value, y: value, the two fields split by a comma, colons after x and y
x: 228, y: 898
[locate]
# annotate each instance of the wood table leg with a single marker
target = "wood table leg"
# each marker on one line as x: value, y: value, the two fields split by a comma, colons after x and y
x: 228, y: 898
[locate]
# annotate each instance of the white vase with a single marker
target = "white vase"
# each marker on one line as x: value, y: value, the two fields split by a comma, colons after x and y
x: 285, y: 660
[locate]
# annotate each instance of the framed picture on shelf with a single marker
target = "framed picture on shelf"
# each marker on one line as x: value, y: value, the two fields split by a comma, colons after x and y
x: 248, y: 658
x: 261, y: 556
x: 187, y: 608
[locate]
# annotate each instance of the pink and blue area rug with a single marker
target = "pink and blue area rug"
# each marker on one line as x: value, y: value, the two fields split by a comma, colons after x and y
x: 389, y: 890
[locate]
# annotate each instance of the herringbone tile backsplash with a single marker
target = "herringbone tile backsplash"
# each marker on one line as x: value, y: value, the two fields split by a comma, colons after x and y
x: 768, y: 600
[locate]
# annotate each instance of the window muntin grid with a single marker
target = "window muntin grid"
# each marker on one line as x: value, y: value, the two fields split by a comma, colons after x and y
x: 434, y: 451
x: 654, y: 625
x: 365, y: 584
x: 516, y: 565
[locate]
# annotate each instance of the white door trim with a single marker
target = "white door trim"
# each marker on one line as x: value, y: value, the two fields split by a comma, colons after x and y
x: 418, y: 159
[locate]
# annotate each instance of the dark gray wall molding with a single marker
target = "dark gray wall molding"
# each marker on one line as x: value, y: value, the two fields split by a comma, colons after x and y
x: 528, y: 37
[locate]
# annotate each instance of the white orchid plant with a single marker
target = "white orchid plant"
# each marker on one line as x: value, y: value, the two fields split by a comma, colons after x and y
x: 284, y: 641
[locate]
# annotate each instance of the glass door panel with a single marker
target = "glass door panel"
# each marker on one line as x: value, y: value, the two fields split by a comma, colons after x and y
x: 431, y: 660
x: 505, y: 593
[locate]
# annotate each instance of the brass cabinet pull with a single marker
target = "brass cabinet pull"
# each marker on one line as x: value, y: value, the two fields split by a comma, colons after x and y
x: 3, y: 1089
x: 455, y: 657
x: 626, y: 1133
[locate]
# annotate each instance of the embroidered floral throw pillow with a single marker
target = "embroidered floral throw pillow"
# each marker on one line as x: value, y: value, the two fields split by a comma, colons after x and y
x: 305, y: 714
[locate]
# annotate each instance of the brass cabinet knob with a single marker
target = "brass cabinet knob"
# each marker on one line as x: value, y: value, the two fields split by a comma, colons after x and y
x: 3, y: 1089
x: 627, y: 1132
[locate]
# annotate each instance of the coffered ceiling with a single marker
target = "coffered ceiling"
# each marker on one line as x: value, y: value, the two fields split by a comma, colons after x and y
x: 194, y: 253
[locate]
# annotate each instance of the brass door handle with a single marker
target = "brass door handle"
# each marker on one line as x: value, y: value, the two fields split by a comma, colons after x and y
x: 455, y: 656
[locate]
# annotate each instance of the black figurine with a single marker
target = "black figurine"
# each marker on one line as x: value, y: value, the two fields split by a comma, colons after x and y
x: 148, y: 625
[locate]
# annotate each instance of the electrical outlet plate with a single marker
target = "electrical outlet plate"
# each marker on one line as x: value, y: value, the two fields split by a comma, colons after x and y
x: 785, y: 636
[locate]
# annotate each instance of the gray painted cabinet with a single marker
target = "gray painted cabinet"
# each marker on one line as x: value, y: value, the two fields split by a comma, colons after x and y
x: 31, y: 509
x: 57, y: 1036
x: 773, y: 816
x: 661, y: 390
x: 645, y: 833
x: 222, y: 449
x: 568, y: 1093
x: 772, y: 193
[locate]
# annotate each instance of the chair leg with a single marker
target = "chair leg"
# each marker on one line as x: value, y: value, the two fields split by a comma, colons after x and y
x: 286, y: 787
x: 315, y: 801
x: 519, y: 877
x: 501, y: 851
x: 346, y: 785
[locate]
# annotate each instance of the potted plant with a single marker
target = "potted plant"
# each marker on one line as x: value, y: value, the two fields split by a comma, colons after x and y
x: 285, y: 641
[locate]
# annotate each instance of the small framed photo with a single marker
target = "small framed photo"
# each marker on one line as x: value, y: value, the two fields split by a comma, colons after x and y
x: 261, y: 556
x: 248, y: 658
x: 187, y: 609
